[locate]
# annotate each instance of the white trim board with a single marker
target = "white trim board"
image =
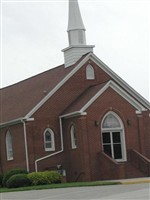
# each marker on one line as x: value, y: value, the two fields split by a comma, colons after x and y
x: 57, y: 87
x: 15, y: 121
x: 103, y: 67
x: 119, y: 80
x: 120, y: 91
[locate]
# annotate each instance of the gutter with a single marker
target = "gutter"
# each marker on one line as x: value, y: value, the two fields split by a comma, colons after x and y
x: 12, y: 122
x: 73, y: 114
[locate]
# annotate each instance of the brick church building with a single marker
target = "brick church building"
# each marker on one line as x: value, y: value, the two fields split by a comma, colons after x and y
x: 80, y: 117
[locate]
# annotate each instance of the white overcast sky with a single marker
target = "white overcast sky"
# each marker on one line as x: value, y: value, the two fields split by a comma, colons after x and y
x: 33, y: 33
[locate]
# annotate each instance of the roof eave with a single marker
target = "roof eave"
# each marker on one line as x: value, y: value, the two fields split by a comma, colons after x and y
x: 104, y: 67
x: 120, y: 91
x: 120, y: 81
x: 15, y: 121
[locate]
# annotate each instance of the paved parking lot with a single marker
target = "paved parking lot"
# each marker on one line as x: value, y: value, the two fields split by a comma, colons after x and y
x: 117, y: 192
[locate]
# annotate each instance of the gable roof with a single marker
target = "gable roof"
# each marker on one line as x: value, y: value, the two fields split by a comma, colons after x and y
x: 121, y: 82
x: 87, y: 98
x: 41, y: 87
x: 77, y: 66
x: 18, y: 99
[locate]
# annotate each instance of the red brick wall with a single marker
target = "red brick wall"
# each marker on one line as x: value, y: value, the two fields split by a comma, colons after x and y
x: 48, y: 114
x: 18, y: 148
x: 146, y: 133
x: 111, y: 101
x: 86, y: 158
x: 82, y: 163
x: 77, y: 160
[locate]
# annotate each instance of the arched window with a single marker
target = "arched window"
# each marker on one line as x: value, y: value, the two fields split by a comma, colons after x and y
x: 113, y: 137
x: 9, y: 148
x: 49, y: 143
x: 110, y: 121
x: 90, y: 75
x: 73, y: 137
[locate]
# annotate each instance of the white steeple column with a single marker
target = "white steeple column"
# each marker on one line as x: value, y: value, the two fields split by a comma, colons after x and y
x: 76, y: 36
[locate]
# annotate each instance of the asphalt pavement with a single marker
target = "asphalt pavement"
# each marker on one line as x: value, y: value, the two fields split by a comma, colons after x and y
x: 130, y: 189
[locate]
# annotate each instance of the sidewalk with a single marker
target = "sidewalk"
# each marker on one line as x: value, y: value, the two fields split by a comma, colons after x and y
x: 133, y: 180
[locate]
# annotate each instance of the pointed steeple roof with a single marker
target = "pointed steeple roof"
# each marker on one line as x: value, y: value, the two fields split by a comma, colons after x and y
x: 76, y: 36
x: 76, y: 29
x: 75, y: 19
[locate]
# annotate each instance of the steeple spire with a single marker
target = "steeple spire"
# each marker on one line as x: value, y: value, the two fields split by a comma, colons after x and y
x: 76, y: 35
x: 76, y: 29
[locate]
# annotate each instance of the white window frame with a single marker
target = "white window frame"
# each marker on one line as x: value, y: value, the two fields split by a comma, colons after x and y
x: 116, y: 129
x: 52, y: 142
x: 9, y: 146
x: 73, y: 137
x: 90, y: 74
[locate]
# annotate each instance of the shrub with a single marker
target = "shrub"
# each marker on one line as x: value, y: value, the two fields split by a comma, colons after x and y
x: 1, y: 179
x: 18, y: 180
x: 38, y: 178
x: 12, y: 172
x: 47, y: 177
x: 54, y: 176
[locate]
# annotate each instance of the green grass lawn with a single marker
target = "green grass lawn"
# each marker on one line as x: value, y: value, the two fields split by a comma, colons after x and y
x: 60, y: 185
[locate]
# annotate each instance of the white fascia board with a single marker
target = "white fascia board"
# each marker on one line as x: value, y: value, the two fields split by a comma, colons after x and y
x: 77, y: 46
x: 119, y: 80
x: 138, y: 112
x: 12, y: 122
x: 104, y: 67
x: 94, y: 97
x: 127, y: 97
x: 58, y: 86
x: 15, y: 121
x: 74, y: 114
x: 120, y: 91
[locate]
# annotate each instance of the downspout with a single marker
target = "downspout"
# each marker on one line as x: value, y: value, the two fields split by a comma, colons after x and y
x: 53, y: 154
x: 78, y: 113
x: 1, y: 169
x: 25, y: 143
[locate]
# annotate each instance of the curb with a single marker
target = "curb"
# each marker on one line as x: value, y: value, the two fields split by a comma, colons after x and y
x: 135, y: 182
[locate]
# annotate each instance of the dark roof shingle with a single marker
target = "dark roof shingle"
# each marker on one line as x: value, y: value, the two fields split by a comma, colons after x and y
x: 18, y: 99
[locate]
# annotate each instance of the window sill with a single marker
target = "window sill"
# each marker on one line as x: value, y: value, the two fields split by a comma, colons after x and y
x: 74, y: 147
x: 49, y: 150
x: 9, y: 159
x: 121, y: 160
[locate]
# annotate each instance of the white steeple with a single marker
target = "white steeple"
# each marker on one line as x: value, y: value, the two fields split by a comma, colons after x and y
x: 76, y: 35
x: 76, y: 29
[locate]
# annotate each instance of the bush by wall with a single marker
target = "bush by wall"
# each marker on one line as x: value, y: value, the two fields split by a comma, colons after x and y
x: 1, y: 179
x: 18, y: 180
x: 47, y: 177
x: 12, y: 172
x: 38, y: 178
x: 54, y: 176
